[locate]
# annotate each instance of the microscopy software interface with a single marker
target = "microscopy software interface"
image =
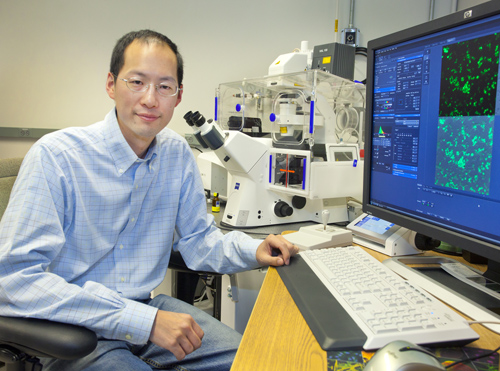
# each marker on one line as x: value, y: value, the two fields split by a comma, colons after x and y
x: 436, y: 102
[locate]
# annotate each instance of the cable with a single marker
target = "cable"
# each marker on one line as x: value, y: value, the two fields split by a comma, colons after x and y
x: 480, y: 356
x: 202, y: 296
x: 361, y: 51
x: 454, y: 363
x: 208, y: 285
x: 472, y: 358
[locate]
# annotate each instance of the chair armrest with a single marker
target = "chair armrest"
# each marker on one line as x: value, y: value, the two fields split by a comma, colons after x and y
x: 177, y: 263
x: 43, y: 338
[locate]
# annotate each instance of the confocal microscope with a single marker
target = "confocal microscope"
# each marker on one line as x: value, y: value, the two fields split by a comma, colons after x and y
x: 292, y: 144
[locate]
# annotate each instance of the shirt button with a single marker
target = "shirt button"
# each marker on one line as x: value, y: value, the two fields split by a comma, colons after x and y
x: 133, y: 219
x: 120, y: 171
x: 136, y: 186
x: 121, y: 247
x: 128, y: 337
x: 122, y: 279
x: 150, y: 167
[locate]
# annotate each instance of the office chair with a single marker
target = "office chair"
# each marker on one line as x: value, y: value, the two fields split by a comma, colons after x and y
x: 23, y: 340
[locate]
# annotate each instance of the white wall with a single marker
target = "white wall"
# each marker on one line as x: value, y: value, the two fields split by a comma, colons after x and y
x: 54, y: 54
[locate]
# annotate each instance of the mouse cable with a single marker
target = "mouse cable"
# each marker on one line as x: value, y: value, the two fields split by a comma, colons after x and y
x: 477, y: 357
x: 423, y: 350
x: 472, y: 358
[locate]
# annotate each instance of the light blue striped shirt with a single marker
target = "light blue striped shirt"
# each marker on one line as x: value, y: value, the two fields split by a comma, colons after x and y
x: 90, y: 226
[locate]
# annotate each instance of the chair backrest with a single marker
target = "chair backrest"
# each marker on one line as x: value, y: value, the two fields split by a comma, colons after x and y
x: 24, y: 339
x: 9, y: 168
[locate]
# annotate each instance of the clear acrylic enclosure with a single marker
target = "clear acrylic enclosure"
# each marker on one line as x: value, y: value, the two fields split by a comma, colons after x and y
x: 281, y: 106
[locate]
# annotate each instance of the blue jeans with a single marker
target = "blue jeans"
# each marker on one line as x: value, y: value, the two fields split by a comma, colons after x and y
x: 216, y: 353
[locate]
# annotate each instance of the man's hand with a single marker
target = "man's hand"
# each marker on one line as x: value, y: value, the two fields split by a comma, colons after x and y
x: 177, y: 332
x: 275, y: 250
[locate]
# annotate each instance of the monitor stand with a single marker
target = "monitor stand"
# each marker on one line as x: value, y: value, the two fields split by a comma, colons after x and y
x: 447, y: 249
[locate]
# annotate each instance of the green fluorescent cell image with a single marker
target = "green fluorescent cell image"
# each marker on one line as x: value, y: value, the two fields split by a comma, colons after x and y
x: 464, y: 153
x: 469, y: 77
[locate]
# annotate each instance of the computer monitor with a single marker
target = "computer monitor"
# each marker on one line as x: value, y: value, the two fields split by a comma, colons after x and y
x: 432, y: 150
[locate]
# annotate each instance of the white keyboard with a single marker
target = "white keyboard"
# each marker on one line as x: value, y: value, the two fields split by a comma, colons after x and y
x: 383, y: 305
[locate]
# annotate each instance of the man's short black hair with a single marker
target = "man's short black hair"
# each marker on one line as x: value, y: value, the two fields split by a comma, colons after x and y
x: 146, y: 36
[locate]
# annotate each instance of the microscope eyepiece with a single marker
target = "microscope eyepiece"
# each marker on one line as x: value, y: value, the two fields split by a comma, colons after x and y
x: 198, y: 119
x: 188, y: 117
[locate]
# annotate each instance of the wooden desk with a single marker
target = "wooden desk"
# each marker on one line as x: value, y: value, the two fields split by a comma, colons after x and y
x: 278, y: 338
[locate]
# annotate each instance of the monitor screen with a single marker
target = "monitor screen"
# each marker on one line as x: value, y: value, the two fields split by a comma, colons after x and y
x: 432, y: 149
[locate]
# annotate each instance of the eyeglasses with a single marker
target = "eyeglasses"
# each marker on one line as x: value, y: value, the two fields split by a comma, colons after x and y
x: 137, y: 85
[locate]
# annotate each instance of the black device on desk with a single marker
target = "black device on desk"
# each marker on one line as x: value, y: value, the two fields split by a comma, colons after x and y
x: 432, y: 151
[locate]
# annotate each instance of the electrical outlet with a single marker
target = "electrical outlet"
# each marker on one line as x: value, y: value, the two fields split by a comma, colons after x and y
x: 25, y: 133
x: 350, y: 36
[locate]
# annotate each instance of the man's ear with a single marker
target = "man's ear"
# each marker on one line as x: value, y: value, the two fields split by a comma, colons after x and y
x: 110, y: 85
x: 179, y: 96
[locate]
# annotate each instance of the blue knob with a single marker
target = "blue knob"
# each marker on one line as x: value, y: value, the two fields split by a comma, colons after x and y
x: 238, y: 107
x: 272, y: 117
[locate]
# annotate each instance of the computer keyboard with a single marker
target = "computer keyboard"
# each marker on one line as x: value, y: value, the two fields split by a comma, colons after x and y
x: 382, y: 305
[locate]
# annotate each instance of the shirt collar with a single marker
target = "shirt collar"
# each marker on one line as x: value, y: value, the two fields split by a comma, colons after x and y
x: 123, y: 156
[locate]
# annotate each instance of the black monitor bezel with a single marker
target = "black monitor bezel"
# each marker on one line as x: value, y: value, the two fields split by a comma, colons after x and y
x: 464, y: 241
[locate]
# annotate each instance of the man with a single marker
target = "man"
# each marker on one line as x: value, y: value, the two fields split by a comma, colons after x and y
x: 95, y: 213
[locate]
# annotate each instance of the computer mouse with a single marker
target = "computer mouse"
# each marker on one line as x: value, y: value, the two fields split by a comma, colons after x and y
x: 403, y: 356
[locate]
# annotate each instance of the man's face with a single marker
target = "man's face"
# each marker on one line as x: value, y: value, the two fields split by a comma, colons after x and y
x: 142, y: 115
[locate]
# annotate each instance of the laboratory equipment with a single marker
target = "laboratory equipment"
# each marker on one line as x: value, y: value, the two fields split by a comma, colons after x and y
x: 298, y: 60
x: 432, y: 146
x: 213, y: 174
x: 388, y: 238
x: 310, y: 163
x: 350, y: 300
x: 335, y: 58
x: 317, y: 236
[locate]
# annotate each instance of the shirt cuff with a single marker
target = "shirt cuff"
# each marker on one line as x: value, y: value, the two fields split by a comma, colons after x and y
x: 248, y: 252
x: 136, y: 322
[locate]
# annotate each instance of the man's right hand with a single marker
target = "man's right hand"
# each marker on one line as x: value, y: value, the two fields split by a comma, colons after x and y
x: 177, y: 332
